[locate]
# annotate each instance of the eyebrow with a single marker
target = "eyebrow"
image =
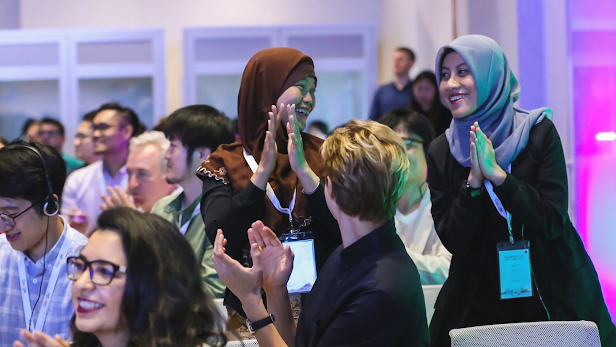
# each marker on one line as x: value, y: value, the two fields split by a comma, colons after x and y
x: 458, y: 66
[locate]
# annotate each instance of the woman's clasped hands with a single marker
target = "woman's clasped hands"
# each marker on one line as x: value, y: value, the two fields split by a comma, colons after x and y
x: 272, y: 264
x: 483, y: 160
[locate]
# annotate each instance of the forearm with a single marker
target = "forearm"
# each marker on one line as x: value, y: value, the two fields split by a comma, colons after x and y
x: 279, y: 305
x: 260, y: 177
x: 308, y: 179
x: 268, y: 335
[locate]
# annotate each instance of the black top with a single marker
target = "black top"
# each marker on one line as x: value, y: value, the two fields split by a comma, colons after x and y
x: 234, y: 214
x: 536, y: 195
x: 368, y: 294
x: 387, y: 97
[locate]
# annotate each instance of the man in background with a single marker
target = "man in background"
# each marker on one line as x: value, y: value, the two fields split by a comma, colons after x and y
x: 51, y: 133
x: 398, y: 93
x: 84, y: 147
x: 113, y: 127
x: 146, y: 166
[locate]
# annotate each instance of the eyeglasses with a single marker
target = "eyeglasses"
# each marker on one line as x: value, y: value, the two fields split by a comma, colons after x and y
x: 9, y: 219
x: 408, y: 142
x: 102, y: 272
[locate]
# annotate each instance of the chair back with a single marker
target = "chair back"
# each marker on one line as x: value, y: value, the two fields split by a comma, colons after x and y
x: 534, y: 334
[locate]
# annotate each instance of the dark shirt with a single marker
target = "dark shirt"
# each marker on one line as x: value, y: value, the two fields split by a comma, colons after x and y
x: 535, y: 193
x: 367, y: 294
x: 387, y: 97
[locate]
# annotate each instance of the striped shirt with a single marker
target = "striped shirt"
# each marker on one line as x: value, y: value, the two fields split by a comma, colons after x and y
x: 12, y: 317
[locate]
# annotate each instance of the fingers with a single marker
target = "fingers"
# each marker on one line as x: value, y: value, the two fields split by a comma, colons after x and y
x: 255, y: 253
x: 18, y: 344
x: 46, y: 340
x: 218, y: 243
x: 269, y: 237
x: 257, y: 238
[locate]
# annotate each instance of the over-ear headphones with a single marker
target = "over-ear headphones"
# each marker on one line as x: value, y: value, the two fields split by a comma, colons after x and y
x: 51, y: 206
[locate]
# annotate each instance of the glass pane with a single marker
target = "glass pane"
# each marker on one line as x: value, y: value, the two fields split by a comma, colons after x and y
x: 26, y: 99
x: 135, y: 93
x: 219, y: 91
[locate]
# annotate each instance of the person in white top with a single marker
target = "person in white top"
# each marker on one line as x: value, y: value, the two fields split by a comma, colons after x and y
x: 34, y: 243
x: 414, y: 223
x: 113, y: 127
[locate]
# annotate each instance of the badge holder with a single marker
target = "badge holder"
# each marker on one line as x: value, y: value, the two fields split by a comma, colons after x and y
x: 304, y: 272
x: 514, y: 268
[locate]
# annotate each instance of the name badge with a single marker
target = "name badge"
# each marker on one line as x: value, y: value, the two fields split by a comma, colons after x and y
x: 304, y: 272
x: 514, y: 268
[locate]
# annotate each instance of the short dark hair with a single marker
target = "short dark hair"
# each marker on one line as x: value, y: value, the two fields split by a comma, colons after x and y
x: 164, y: 303
x: 128, y: 115
x: 89, y: 117
x: 407, y: 51
x: 322, y: 126
x: 23, y: 176
x: 414, y: 122
x: 54, y: 122
x: 199, y: 126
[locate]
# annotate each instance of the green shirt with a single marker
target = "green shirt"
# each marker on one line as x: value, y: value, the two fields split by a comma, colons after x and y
x: 170, y: 208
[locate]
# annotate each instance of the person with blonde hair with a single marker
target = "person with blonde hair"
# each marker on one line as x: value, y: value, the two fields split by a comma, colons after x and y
x: 368, y: 292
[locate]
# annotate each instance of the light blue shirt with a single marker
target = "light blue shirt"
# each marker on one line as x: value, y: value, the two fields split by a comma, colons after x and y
x: 12, y: 317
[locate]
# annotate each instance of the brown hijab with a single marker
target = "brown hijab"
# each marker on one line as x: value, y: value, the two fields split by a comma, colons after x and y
x: 267, y: 75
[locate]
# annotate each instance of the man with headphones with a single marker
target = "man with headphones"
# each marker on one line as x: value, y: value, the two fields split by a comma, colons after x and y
x: 35, y: 292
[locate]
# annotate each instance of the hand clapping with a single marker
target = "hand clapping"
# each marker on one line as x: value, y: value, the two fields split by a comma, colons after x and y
x: 483, y: 158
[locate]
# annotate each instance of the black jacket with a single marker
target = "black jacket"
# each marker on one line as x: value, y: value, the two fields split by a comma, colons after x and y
x: 536, y: 195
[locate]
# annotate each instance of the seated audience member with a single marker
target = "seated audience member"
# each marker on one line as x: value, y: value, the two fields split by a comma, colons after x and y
x: 318, y: 129
x: 51, y: 133
x: 113, y: 127
x: 146, y: 167
x: 368, y: 292
x: 3, y: 142
x: 398, y: 93
x: 136, y: 283
x: 84, y: 147
x: 29, y: 130
x: 427, y: 101
x: 413, y: 218
x: 194, y: 131
x: 34, y: 294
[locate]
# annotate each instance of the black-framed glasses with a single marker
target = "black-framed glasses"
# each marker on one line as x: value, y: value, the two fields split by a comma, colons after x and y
x: 102, y: 272
x: 408, y: 142
x: 8, y: 220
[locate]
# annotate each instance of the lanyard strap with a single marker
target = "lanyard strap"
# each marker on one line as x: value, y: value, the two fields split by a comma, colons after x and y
x: 499, y: 205
x: 51, y: 285
x: 184, y: 227
x: 270, y: 192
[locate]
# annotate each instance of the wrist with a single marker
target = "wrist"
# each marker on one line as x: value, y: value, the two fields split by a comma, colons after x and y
x: 254, y: 308
x: 498, y: 177
x: 277, y: 290
x: 474, y: 183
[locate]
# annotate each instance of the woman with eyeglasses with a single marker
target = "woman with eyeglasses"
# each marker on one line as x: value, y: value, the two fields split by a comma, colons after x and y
x: 137, y: 283
x: 413, y: 218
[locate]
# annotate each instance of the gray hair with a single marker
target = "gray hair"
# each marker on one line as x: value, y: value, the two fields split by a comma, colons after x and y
x: 156, y: 138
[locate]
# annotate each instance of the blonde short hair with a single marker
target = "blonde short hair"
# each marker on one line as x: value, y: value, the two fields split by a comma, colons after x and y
x: 368, y: 166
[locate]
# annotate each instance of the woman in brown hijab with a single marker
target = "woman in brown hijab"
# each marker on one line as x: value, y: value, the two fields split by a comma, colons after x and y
x: 234, y: 194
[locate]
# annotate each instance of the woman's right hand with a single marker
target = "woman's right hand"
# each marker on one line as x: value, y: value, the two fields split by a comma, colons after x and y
x: 40, y: 339
x: 475, y: 177
x: 268, y: 157
x: 276, y: 261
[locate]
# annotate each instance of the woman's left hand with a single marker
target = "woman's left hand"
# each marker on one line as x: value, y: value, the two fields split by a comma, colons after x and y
x: 40, y: 339
x: 244, y: 282
x: 487, y: 158
x: 295, y: 146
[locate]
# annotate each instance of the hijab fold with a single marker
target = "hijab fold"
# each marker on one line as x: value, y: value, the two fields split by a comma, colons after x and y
x: 266, y: 76
x: 497, y: 89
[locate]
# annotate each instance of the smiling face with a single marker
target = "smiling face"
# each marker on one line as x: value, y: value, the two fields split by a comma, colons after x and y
x: 29, y: 230
x: 110, y: 134
x: 98, y: 309
x: 302, y: 95
x: 458, y: 88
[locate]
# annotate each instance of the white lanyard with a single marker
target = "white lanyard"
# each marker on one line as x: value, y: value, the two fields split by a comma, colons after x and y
x: 51, y: 285
x: 270, y: 192
x: 499, y: 205
x: 184, y: 227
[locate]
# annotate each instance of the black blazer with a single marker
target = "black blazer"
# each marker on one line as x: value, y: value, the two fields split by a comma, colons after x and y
x: 536, y: 195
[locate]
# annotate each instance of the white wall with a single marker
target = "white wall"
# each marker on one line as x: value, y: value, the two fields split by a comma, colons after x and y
x: 175, y: 15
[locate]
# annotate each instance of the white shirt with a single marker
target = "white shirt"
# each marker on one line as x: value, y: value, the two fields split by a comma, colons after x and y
x: 422, y: 243
x: 84, y: 187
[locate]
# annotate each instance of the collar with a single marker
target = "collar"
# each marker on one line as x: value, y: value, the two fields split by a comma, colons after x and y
x: 175, y: 206
x: 368, y: 244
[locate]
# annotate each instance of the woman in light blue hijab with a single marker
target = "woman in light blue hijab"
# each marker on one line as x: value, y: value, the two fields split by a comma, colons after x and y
x: 498, y: 184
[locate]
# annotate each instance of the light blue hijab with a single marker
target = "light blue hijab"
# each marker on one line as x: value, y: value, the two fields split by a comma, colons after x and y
x: 497, y: 89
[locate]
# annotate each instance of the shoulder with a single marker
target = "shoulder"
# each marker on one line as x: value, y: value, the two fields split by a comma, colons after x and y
x: 84, y: 173
x: 78, y: 241
x: 159, y: 206
x: 439, y: 147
